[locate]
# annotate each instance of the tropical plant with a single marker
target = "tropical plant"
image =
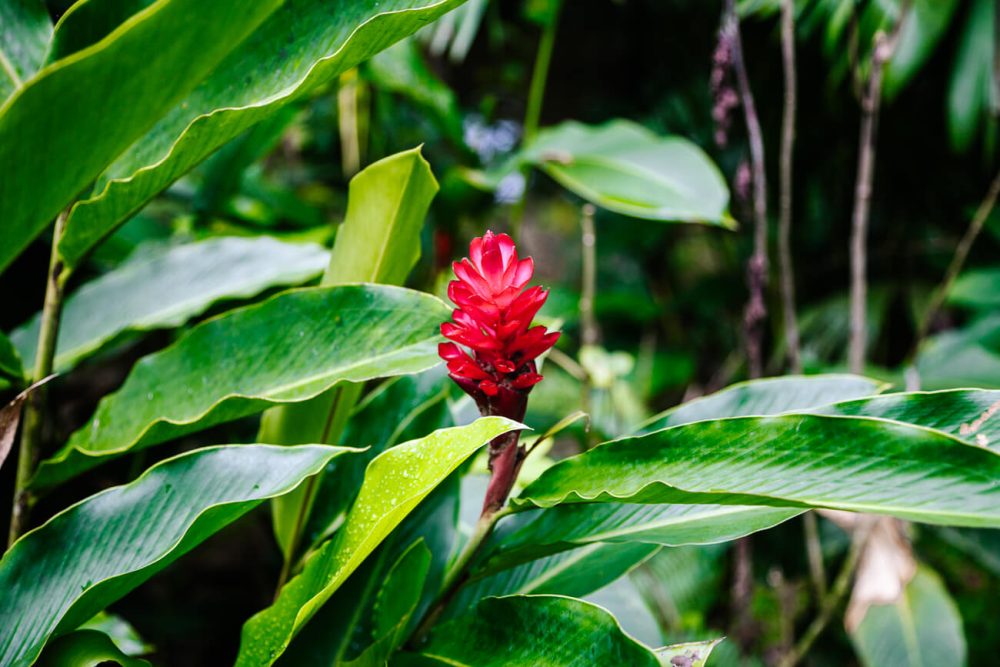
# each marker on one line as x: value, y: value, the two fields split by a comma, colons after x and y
x: 437, y: 449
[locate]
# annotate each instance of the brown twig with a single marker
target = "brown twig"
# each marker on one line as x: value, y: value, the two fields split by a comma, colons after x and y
x: 785, y: 220
x: 757, y: 266
x: 871, y: 100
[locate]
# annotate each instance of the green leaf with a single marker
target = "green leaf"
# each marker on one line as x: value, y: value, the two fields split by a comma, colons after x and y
x: 301, y: 47
x: 967, y: 357
x: 89, y: 21
x: 978, y: 289
x: 971, y: 415
x: 923, y: 27
x: 403, y: 409
x: 140, y: 70
x: 86, y: 648
x: 397, y: 600
x: 576, y: 572
x: 921, y: 629
x: 769, y: 396
x: 623, y: 599
x: 121, y: 537
x: 516, y: 630
x: 395, y: 483
x: 25, y: 32
x: 289, y: 348
x: 690, y: 654
x: 10, y: 362
x: 379, y: 242
x: 970, y: 96
x: 848, y: 463
x: 625, y: 168
x: 120, y: 631
x: 165, y: 289
x: 534, y: 535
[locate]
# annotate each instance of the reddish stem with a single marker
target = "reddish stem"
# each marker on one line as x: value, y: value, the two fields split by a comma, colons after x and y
x: 506, y: 457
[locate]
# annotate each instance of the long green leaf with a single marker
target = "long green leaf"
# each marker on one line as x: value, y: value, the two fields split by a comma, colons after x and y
x: 25, y: 32
x: 395, y: 483
x: 165, y: 289
x: 289, y: 348
x: 971, y: 415
x: 921, y: 629
x: 576, y: 572
x: 538, y: 534
x: 119, y: 87
x: 769, y: 396
x: 379, y: 242
x: 59, y: 575
x: 517, y: 630
x: 979, y: 289
x: 301, y: 47
x: 623, y: 167
x: 87, y: 22
x: 849, y: 463
x: 86, y: 648
x: 970, y: 89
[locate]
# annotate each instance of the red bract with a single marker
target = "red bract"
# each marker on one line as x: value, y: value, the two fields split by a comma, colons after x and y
x: 493, y: 320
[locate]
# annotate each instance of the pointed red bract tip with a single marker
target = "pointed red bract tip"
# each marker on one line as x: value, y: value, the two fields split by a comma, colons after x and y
x: 493, y: 320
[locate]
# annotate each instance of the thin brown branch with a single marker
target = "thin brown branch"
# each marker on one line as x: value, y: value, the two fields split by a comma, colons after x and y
x: 785, y: 220
x: 871, y: 101
x: 757, y: 266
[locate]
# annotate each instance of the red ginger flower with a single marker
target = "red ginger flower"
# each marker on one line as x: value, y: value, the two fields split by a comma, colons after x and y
x: 493, y: 319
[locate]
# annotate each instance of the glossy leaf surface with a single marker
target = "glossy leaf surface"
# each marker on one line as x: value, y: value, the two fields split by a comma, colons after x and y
x: 166, y: 288
x: 768, y: 396
x: 140, y: 70
x: 395, y: 483
x: 25, y: 31
x: 971, y: 415
x: 86, y: 648
x: 121, y: 537
x: 855, y: 464
x: 301, y: 47
x: 921, y: 629
x: 289, y: 348
x: 514, y: 631
x: 625, y: 168
x: 537, y: 534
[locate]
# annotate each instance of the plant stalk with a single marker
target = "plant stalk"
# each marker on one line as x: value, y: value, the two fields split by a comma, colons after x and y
x: 757, y: 266
x: 34, y: 411
x: 871, y: 101
x: 814, y: 551
x: 835, y: 597
x: 785, y: 214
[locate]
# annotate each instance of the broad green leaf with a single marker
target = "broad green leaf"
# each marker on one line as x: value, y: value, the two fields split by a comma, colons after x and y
x: 379, y: 242
x: 921, y: 629
x: 10, y: 362
x: 87, y: 22
x: 514, y: 631
x: 684, y: 583
x: 343, y: 628
x: 849, y: 463
x: 165, y: 289
x: 25, y: 32
x: 403, y: 409
x: 139, y: 71
x: 576, y: 572
x: 86, y: 648
x: 769, y: 396
x: 971, y: 415
x: 120, y: 631
x: 397, y: 600
x: 121, y: 537
x: 690, y: 654
x: 301, y: 47
x: 967, y: 357
x: 395, y: 483
x: 623, y: 167
x: 970, y: 95
x: 923, y: 27
x: 625, y: 602
x: 289, y: 348
x: 537, y: 534
x: 979, y: 289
